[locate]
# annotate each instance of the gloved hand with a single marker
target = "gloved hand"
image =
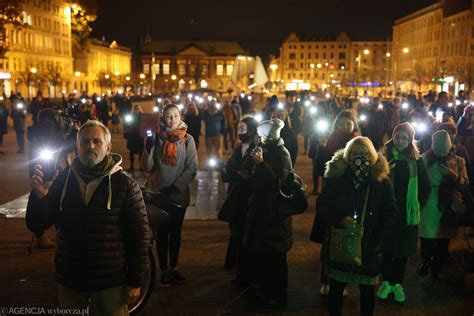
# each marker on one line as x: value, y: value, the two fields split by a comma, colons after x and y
x: 168, y: 190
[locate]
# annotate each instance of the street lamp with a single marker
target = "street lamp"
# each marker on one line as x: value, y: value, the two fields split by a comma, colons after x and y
x: 387, y: 54
x: 319, y: 65
x: 142, y: 76
x: 366, y: 51
x: 107, y: 76
x: 173, y: 77
x: 311, y: 66
x: 33, y: 70
x: 127, y: 78
x: 406, y: 50
x: 77, y: 74
x: 117, y: 73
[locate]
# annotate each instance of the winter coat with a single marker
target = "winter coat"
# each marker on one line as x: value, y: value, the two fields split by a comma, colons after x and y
x: 215, y: 123
x: 97, y: 247
x: 266, y: 230
x: 377, y: 126
x: 19, y: 119
x: 162, y: 175
x: 194, y: 124
x: 135, y: 142
x: 3, y: 120
x: 400, y: 240
x: 296, y: 117
x: 430, y: 224
x: 291, y: 142
x: 339, y: 199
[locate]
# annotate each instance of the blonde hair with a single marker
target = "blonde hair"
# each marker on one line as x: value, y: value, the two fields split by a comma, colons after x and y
x: 363, y: 141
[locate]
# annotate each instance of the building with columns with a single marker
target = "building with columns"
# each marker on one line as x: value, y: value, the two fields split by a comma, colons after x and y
x: 186, y: 65
x: 39, y: 56
x: 331, y: 64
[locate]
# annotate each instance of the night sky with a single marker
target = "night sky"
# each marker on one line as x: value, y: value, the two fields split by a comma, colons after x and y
x: 259, y: 26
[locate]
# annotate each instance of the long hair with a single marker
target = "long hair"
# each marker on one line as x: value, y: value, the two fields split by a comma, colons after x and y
x: 411, y: 151
x: 363, y: 141
x: 344, y: 115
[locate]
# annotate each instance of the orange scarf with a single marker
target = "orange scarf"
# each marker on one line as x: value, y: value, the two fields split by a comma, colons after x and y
x: 169, y: 145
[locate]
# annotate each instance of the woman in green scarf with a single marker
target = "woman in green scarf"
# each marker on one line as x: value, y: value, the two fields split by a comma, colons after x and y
x: 412, y: 187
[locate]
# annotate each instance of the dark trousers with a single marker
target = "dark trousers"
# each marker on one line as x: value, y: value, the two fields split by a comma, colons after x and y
x: 323, y: 274
x: 20, y: 139
x: 367, y: 298
x: 434, y: 251
x: 1, y: 138
x: 168, y: 239
x: 237, y: 255
x: 229, y: 135
x: 393, y: 269
x: 272, y: 274
x: 132, y: 158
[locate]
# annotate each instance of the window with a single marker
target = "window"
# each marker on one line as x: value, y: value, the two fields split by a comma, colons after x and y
x: 292, y: 56
x: 229, y: 69
x: 220, y: 70
x: 302, y: 56
x: 342, y: 55
x: 317, y: 56
x: 166, y: 69
x: 309, y: 56
x: 291, y: 65
x: 301, y: 65
x: 332, y: 56
x: 182, y: 69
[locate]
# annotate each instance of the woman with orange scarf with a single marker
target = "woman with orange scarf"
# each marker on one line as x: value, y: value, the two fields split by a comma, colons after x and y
x: 170, y: 159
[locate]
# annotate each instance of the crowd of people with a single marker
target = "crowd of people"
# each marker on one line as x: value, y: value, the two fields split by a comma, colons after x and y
x: 398, y: 170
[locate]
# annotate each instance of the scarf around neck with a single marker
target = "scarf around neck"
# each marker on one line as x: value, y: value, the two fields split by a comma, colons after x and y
x: 412, y: 204
x: 170, y: 139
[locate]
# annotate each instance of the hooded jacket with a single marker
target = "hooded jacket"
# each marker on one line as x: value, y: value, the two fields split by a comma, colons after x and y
x: 102, y: 229
x: 266, y: 229
x: 339, y: 199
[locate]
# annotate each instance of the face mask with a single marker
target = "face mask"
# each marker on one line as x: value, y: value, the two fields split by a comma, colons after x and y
x: 257, y: 140
x: 244, y: 138
x: 360, y: 167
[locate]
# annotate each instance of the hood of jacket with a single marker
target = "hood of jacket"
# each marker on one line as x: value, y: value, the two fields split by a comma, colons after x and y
x: 337, y: 167
x: 88, y: 189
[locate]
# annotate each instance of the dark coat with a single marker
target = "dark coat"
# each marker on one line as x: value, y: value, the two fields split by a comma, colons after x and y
x: 339, y: 199
x: 194, y: 124
x: 96, y: 248
x: 400, y: 240
x: 266, y: 229
x: 135, y: 142
x: 291, y: 142
x: 3, y: 120
x: 19, y: 119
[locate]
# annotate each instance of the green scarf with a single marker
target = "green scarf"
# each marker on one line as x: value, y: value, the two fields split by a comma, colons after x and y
x: 412, y: 204
x: 100, y: 170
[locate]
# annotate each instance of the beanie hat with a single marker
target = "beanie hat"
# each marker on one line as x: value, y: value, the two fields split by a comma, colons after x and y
x: 407, y: 128
x: 250, y: 121
x: 273, y: 103
x: 270, y: 129
x: 441, y: 143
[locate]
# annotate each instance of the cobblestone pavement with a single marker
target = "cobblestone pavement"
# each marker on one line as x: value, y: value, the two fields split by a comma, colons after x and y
x: 28, y: 280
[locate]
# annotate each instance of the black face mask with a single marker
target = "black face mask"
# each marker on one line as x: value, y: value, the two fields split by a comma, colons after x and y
x: 244, y: 138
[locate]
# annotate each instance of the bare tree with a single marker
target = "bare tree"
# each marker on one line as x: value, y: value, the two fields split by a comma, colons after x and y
x: 54, y: 74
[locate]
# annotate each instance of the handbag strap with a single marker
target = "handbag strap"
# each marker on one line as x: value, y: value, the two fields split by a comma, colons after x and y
x: 364, y: 209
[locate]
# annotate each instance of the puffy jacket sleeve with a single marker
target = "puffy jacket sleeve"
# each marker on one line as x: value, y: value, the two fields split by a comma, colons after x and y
x: 424, y: 183
x: 136, y: 236
x: 190, y: 166
x: 41, y: 213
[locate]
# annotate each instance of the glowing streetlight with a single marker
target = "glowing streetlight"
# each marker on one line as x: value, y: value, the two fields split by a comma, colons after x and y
x: 319, y: 65
x: 77, y: 74
x: 173, y: 77
x: 312, y: 66
x: 142, y: 76
x: 117, y: 73
x: 33, y: 70
x: 127, y: 78
x: 273, y: 67
x: 388, y: 54
x: 366, y: 51
x: 107, y: 76
x: 406, y: 50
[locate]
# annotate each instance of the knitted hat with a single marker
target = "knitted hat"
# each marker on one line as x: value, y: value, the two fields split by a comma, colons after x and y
x: 407, y: 128
x: 250, y: 122
x: 270, y: 129
x: 441, y: 143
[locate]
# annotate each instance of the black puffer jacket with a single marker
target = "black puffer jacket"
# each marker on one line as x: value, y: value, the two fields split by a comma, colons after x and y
x: 266, y: 229
x: 96, y: 248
